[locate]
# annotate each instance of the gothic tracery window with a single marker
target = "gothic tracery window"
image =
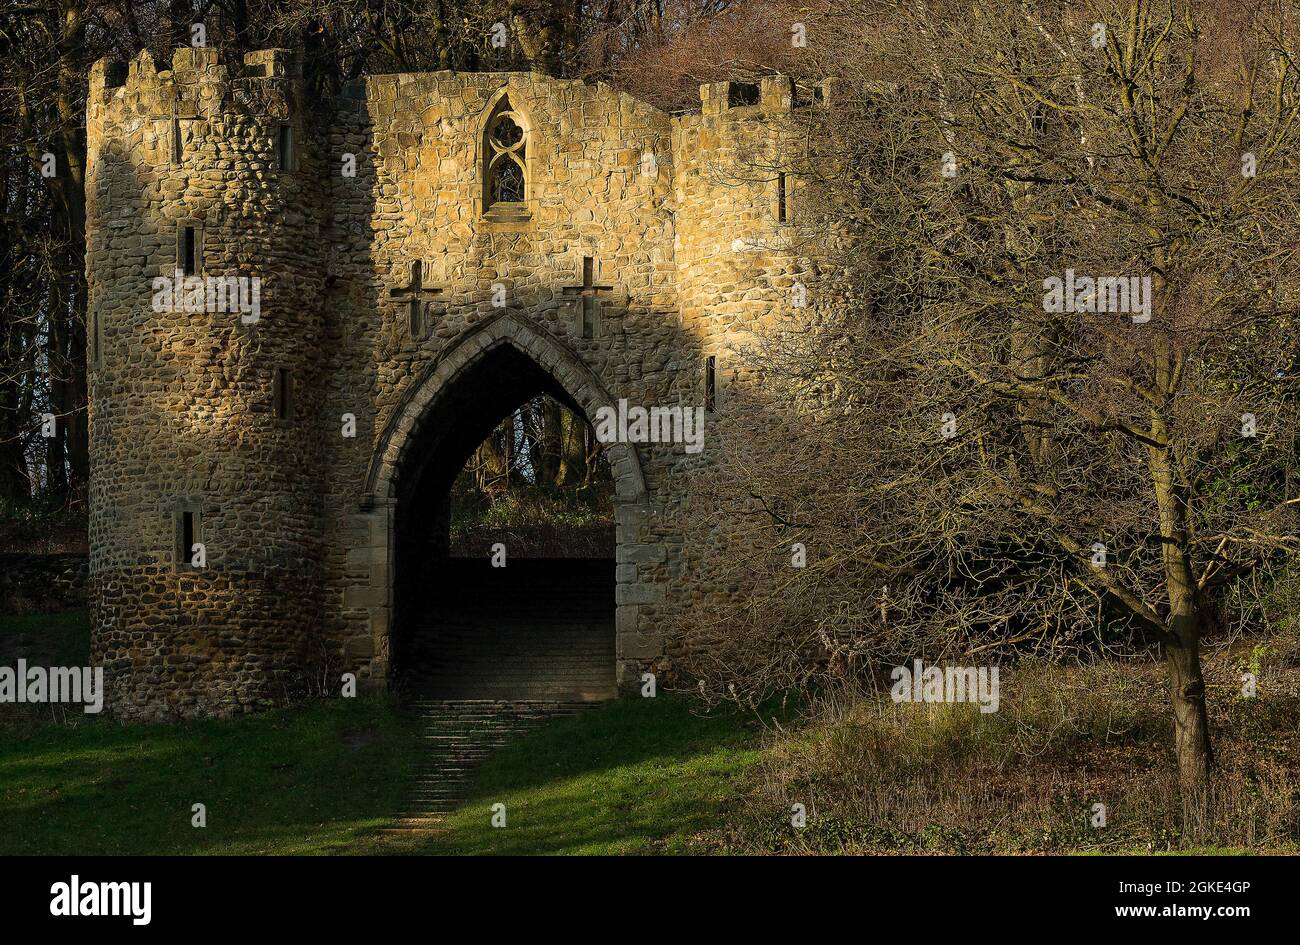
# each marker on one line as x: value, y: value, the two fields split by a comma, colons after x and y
x: 505, y: 158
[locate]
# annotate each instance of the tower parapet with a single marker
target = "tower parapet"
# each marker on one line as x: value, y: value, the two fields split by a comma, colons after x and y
x: 740, y: 250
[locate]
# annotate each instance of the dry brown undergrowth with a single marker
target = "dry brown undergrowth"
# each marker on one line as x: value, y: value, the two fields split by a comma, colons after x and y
x: 875, y: 776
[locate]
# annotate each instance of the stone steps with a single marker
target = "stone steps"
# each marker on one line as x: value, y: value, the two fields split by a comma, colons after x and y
x: 458, y: 735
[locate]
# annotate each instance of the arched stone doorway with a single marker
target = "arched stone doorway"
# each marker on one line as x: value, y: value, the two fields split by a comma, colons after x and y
x: 476, y: 382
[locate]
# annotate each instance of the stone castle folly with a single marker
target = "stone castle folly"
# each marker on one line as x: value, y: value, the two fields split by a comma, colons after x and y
x: 304, y: 316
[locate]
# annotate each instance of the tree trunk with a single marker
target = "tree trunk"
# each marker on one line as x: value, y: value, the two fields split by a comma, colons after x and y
x: 72, y: 79
x: 1187, y: 695
x: 573, y: 450
x: 551, y: 445
x: 1182, y: 648
x: 592, y: 459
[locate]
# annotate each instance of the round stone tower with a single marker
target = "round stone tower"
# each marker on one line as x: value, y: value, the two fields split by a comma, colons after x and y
x: 205, y: 270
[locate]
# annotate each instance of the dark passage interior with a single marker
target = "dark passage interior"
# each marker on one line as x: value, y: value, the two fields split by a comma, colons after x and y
x: 539, y: 628
x: 504, y: 583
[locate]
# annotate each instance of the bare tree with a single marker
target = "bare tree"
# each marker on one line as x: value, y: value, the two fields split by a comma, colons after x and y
x: 1057, y: 410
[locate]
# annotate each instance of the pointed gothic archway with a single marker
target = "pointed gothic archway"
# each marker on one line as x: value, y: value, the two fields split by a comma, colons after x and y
x: 479, y: 379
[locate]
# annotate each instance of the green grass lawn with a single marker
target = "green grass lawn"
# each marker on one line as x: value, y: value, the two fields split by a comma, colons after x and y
x: 313, y: 779
x: 643, y: 776
x: 633, y: 776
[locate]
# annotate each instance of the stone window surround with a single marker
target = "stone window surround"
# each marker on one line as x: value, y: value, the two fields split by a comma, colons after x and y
x: 633, y: 646
x: 711, y: 384
x: 197, y: 225
x: 512, y: 216
x: 282, y: 165
x: 282, y: 395
x: 180, y: 506
x: 501, y: 155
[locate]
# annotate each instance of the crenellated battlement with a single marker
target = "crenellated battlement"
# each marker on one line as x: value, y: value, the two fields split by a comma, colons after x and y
x: 772, y: 96
x: 189, y: 64
x: 195, y: 80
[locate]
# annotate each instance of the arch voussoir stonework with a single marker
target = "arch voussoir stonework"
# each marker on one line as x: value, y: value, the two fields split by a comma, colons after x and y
x: 568, y: 370
x: 632, y: 504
